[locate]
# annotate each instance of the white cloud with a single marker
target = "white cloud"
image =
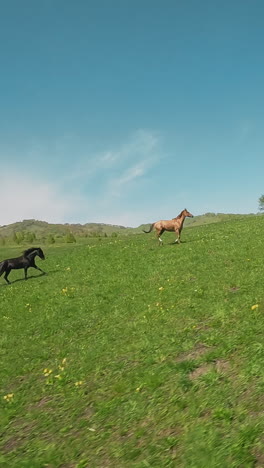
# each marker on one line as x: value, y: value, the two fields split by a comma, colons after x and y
x: 25, y: 197
x: 132, y: 162
x: 131, y: 174
x: 93, y: 189
x: 142, y: 148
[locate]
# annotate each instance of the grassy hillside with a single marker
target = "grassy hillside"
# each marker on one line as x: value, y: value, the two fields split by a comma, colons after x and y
x: 128, y: 354
x: 42, y: 229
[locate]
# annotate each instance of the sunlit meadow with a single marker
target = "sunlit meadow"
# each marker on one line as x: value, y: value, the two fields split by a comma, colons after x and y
x: 129, y: 354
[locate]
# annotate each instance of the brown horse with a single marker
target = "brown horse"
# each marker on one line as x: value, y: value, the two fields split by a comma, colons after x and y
x: 174, y: 224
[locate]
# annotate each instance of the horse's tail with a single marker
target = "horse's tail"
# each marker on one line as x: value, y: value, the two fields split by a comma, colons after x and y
x: 3, y: 266
x: 150, y: 229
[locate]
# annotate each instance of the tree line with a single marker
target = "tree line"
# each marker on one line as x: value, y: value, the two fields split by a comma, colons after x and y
x: 261, y: 203
x: 27, y: 237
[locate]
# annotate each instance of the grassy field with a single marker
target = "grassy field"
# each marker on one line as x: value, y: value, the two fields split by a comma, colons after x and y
x: 128, y: 354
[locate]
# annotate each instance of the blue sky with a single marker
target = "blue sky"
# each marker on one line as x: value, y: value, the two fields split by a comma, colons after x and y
x: 128, y: 111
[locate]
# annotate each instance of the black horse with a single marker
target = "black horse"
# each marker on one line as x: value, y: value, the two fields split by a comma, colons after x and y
x: 25, y: 261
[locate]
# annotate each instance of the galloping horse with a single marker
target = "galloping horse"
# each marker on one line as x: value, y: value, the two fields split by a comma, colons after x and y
x: 25, y: 261
x: 174, y: 224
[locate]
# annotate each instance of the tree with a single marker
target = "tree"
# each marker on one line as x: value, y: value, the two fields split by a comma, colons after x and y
x: 16, y: 238
x: 70, y: 238
x: 261, y: 203
x: 30, y: 237
x: 51, y: 239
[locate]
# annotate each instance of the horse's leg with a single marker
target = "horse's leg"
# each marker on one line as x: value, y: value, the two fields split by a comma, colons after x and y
x: 37, y: 268
x: 6, y: 275
x: 25, y: 270
x: 159, y: 233
x: 33, y: 265
x: 3, y: 267
x: 180, y: 230
x: 178, y: 234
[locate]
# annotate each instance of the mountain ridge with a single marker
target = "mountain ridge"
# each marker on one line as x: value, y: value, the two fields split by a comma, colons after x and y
x: 42, y: 228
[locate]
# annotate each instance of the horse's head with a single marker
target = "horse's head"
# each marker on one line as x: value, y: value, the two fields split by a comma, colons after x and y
x: 33, y: 251
x: 41, y: 253
x: 187, y: 213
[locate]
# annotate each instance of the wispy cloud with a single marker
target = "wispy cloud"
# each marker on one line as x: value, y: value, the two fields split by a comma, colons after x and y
x: 142, y: 147
x: 97, y: 187
x: 130, y: 174
x: 126, y: 180
x: 131, y: 162
x: 24, y: 196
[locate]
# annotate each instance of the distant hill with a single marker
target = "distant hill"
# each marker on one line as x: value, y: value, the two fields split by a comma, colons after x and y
x: 207, y: 218
x: 42, y: 229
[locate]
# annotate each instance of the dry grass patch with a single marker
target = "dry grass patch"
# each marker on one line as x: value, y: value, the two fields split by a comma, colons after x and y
x: 222, y: 366
x: 199, y: 351
x: 19, y: 437
x: 200, y: 371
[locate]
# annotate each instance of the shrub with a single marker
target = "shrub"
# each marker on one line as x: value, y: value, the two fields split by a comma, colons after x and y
x: 70, y: 238
x: 50, y: 239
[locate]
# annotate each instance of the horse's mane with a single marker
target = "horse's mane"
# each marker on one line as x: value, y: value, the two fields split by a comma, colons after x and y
x: 179, y: 215
x: 29, y: 251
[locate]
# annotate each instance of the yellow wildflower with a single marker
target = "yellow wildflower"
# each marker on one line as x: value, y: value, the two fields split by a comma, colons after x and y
x: 68, y: 269
x: 79, y: 383
x: 64, y: 360
x: 254, y: 307
x: 161, y: 288
x: 47, y: 372
x: 58, y: 376
x: 68, y: 291
x: 9, y: 397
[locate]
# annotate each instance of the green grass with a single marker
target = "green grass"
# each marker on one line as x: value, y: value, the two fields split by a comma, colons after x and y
x: 164, y: 353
